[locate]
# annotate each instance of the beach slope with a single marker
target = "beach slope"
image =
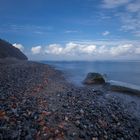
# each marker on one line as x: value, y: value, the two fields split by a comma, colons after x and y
x: 36, y: 102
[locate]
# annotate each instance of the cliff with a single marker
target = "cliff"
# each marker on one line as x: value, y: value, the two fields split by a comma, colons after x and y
x: 8, y: 50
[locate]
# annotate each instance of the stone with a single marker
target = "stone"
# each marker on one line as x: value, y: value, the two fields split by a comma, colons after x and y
x: 66, y: 118
x: 81, y: 111
x: 94, y: 138
x: 94, y: 78
x: 82, y: 135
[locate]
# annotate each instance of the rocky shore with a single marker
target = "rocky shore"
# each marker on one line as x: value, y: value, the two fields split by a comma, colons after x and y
x: 36, y: 102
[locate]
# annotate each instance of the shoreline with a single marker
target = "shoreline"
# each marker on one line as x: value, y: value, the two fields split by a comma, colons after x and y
x: 113, y: 85
x: 127, y: 86
x: 37, y: 102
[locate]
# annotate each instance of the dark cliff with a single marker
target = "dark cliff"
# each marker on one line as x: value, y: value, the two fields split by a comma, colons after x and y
x: 8, y: 50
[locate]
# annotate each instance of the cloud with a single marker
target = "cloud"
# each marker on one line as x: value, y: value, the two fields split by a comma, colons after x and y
x: 21, y: 29
x: 114, y: 3
x: 105, y: 33
x: 124, y: 49
x: 131, y: 23
x: 89, y: 50
x: 129, y: 14
x: 19, y: 46
x: 98, y: 50
x: 54, y: 49
x: 134, y: 7
x: 36, y: 50
x: 137, y: 50
x: 71, y: 31
x: 70, y: 49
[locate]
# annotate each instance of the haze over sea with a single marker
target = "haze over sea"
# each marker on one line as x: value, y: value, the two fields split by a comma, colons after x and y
x: 76, y: 71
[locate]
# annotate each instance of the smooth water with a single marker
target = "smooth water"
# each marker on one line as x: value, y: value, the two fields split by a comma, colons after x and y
x: 123, y: 71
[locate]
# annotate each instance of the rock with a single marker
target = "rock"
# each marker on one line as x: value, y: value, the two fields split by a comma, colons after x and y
x: 77, y: 123
x: 82, y: 135
x: 94, y: 78
x: 66, y: 118
x: 73, y: 134
x: 94, y: 138
x: 81, y: 111
x: 103, y: 123
x: 2, y: 114
x: 65, y: 106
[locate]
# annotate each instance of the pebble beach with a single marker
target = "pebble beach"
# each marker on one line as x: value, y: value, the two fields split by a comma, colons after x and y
x: 38, y: 103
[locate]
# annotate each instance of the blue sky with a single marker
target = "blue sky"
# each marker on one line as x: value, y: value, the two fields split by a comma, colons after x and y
x: 72, y: 29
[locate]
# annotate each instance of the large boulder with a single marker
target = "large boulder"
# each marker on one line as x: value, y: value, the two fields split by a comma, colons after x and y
x: 7, y: 50
x: 94, y: 78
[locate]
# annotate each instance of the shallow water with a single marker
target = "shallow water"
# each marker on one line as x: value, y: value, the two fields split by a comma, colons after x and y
x: 128, y: 72
x: 124, y: 71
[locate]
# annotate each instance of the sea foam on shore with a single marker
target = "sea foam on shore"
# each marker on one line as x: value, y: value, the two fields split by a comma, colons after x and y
x: 124, y: 87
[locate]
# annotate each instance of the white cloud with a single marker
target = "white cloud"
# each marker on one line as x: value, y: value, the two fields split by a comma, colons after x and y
x: 54, y: 49
x: 70, y: 49
x: 124, y: 49
x: 88, y: 50
x: 105, y: 33
x: 74, y: 49
x: 137, y: 50
x: 129, y: 14
x: 131, y: 23
x: 36, y: 50
x: 134, y: 7
x: 103, y: 49
x: 19, y: 46
x: 108, y: 42
x: 114, y: 3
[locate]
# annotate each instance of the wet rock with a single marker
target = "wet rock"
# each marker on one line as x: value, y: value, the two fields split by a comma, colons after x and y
x: 94, y: 78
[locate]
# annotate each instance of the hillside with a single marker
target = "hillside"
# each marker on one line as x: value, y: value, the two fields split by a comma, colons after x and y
x: 8, y: 50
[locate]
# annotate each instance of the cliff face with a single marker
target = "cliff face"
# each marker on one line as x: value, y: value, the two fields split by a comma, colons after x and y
x: 8, y: 50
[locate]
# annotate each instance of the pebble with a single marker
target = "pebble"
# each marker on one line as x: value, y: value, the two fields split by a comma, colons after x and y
x: 66, y: 118
x: 94, y: 138
x: 27, y: 111
x: 81, y: 111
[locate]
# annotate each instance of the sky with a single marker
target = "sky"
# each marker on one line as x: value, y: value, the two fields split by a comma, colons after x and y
x: 72, y: 29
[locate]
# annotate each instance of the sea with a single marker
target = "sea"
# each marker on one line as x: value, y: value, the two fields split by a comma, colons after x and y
x: 127, y: 72
x: 76, y: 71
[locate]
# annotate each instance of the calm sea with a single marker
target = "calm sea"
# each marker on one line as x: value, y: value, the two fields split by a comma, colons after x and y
x: 76, y: 71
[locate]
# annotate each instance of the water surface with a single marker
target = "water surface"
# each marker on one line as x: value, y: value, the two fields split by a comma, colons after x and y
x: 76, y: 71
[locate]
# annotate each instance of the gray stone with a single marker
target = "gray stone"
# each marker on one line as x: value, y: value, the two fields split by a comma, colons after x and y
x: 94, y: 78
